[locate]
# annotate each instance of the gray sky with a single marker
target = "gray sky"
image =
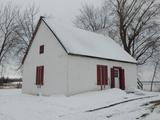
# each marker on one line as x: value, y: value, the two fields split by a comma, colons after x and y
x: 63, y: 10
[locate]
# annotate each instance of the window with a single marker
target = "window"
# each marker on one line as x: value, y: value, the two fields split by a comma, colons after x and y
x: 102, y: 75
x: 116, y: 73
x: 41, y: 49
x: 39, y: 75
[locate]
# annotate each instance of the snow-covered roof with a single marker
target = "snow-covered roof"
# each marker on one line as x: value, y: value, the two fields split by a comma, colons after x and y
x: 81, y: 42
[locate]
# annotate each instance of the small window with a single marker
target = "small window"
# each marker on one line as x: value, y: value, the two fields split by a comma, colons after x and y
x: 41, y: 49
x: 116, y: 72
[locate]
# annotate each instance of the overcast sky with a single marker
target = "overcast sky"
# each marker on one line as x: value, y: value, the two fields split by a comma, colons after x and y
x: 63, y: 10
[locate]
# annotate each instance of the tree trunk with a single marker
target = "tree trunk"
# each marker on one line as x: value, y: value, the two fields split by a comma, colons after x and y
x: 154, y: 74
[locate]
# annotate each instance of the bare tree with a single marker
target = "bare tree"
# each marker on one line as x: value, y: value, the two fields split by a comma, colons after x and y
x: 26, y: 21
x: 134, y: 22
x: 155, y: 62
x: 8, y: 26
x: 91, y: 18
x: 154, y: 73
x: 16, y: 28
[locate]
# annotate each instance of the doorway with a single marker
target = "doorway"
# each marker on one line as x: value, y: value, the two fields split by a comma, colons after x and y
x: 118, y: 78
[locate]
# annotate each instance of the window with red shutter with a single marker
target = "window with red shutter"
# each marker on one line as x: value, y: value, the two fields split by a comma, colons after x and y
x: 112, y: 78
x: 98, y: 75
x: 106, y: 75
x: 122, y: 79
x: 102, y: 75
x: 39, y: 75
x: 41, y: 49
x: 42, y: 75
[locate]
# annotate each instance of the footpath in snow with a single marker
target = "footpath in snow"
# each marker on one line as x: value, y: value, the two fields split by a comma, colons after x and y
x: 112, y: 104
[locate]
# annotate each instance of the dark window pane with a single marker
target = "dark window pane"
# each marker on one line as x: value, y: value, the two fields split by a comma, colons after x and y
x: 41, y: 50
x: 116, y: 73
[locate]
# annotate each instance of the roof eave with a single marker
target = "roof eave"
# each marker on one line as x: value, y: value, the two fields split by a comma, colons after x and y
x: 80, y: 55
x: 33, y: 36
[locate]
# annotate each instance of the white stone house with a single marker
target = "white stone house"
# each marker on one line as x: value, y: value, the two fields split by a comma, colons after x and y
x: 67, y: 60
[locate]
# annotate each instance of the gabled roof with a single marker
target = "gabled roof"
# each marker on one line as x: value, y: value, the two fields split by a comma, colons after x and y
x: 84, y: 43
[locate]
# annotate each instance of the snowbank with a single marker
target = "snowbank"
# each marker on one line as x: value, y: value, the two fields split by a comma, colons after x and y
x: 17, y: 106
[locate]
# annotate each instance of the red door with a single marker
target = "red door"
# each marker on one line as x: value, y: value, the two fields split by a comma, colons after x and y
x: 121, y: 77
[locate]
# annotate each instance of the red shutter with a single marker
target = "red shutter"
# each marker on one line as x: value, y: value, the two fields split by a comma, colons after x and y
x: 37, y: 75
x: 98, y: 75
x: 42, y: 74
x: 102, y: 74
x: 122, y: 79
x: 112, y: 78
x: 39, y: 72
x: 106, y: 75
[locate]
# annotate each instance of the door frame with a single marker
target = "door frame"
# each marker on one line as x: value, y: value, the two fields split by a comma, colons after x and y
x: 121, y: 77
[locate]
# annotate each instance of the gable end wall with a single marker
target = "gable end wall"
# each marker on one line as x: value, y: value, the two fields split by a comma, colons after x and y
x: 54, y: 60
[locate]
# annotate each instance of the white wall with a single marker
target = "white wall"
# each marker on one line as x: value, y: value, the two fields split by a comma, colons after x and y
x: 54, y: 60
x: 83, y: 73
x: 65, y: 74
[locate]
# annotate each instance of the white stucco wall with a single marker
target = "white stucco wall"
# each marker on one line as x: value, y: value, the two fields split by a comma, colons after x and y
x: 82, y: 73
x: 65, y: 74
x: 54, y: 60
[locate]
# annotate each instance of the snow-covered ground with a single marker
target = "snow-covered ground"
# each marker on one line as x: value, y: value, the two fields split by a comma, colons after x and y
x: 99, y: 105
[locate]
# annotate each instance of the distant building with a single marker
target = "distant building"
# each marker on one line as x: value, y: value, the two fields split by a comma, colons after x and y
x: 68, y: 60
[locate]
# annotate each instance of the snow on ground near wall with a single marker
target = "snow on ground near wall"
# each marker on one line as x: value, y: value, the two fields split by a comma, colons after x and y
x: 17, y: 106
